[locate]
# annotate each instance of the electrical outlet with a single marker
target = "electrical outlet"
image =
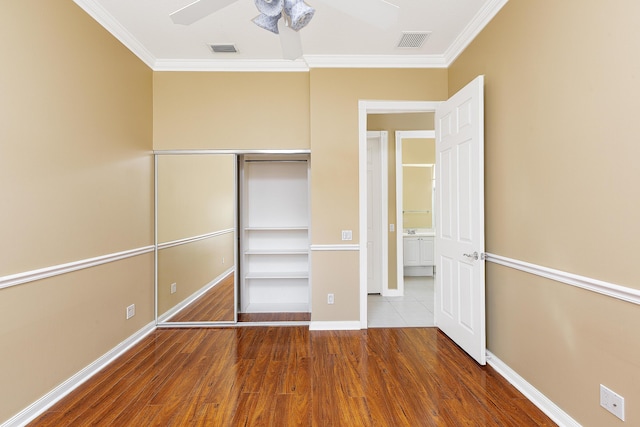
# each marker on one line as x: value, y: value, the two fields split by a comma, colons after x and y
x: 392, y: 228
x: 612, y: 402
x: 174, y: 288
x: 330, y: 299
x: 347, y: 235
x: 131, y: 311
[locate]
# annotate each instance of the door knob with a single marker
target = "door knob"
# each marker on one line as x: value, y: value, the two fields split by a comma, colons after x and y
x: 473, y: 256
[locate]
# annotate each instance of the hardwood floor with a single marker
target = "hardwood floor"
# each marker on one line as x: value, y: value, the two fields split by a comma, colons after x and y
x: 274, y: 317
x: 290, y: 376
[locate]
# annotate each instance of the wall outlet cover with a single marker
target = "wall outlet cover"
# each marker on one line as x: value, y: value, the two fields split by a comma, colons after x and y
x: 131, y: 311
x: 612, y: 402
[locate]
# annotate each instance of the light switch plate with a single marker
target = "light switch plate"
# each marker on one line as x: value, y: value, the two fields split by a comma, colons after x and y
x: 347, y: 235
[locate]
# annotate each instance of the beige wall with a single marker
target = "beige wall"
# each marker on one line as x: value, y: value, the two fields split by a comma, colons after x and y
x: 316, y: 110
x: 392, y: 123
x: 334, y: 155
x: 561, y: 173
x: 230, y: 110
x: 76, y: 183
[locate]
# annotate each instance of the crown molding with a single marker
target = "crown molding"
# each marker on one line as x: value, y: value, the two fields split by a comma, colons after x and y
x: 375, y: 61
x: 470, y: 32
x: 111, y: 24
x: 237, y: 65
x: 303, y: 65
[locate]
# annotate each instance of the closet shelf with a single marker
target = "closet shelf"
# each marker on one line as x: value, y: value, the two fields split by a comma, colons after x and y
x: 277, y: 252
x: 278, y: 275
x: 301, y: 228
x: 272, y: 307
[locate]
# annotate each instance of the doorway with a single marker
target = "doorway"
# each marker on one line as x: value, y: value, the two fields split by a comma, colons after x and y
x: 460, y: 283
x: 396, y: 305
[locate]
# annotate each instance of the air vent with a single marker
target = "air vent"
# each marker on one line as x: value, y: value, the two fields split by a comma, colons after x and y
x: 412, y: 39
x: 224, y: 48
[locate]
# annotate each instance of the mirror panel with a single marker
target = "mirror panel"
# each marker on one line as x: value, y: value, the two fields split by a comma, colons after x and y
x: 196, y: 237
x: 417, y: 159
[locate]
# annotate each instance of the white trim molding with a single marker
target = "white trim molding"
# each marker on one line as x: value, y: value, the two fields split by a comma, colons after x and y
x: 375, y: 61
x: 194, y: 238
x: 545, y: 404
x: 56, y: 270
x: 477, y: 24
x: 45, y: 402
x: 237, y: 65
x: 326, y: 325
x: 598, y: 286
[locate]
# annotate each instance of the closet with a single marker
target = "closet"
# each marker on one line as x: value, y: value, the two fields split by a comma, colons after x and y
x: 274, y: 233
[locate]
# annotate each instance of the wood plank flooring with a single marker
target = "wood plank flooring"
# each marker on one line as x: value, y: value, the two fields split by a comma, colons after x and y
x: 290, y: 376
x: 274, y: 317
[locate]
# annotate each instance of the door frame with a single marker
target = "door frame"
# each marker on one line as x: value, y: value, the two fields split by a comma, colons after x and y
x: 381, y: 228
x: 366, y: 107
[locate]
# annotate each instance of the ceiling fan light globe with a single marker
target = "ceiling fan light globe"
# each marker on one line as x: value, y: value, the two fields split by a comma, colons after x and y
x: 266, y: 22
x: 270, y: 8
x: 300, y: 14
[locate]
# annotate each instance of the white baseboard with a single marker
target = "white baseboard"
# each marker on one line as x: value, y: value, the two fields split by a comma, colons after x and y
x: 45, y: 402
x: 392, y: 293
x: 552, y: 410
x: 334, y: 326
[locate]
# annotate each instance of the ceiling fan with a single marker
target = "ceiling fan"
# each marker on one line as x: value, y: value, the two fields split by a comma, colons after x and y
x: 287, y: 17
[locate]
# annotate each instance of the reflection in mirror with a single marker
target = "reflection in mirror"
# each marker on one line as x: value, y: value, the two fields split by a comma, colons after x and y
x: 418, y: 158
x: 196, y: 216
x: 417, y: 196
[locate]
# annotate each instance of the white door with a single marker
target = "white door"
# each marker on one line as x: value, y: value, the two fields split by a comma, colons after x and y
x: 374, y: 212
x: 460, y: 266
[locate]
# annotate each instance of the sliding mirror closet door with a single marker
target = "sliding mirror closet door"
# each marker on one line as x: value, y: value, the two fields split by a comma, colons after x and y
x: 196, y: 217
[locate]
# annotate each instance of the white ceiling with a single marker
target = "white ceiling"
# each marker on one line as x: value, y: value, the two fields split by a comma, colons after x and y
x: 332, y: 38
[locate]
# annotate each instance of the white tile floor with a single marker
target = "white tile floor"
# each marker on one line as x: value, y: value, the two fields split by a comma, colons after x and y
x: 415, y: 308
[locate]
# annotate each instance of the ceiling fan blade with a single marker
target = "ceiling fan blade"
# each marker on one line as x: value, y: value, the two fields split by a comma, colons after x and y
x: 379, y: 13
x: 290, y: 41
x: 198, y: 10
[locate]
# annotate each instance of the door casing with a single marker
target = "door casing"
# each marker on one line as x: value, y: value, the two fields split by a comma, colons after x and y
x: 364, y: 108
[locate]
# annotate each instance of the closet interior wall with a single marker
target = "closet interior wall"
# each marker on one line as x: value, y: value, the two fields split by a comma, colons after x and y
x: 275, y: 234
